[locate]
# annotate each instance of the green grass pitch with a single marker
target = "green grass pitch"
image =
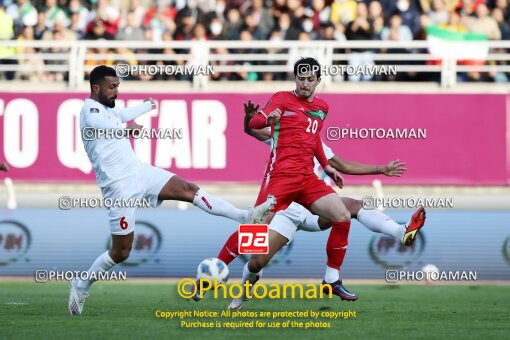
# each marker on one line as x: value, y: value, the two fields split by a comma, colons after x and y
x: 127, y: 311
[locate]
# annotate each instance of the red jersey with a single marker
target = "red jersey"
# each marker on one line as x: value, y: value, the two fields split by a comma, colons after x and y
x: 296, y: 135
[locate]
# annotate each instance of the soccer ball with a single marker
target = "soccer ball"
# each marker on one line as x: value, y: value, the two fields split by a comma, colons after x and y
x: 213, y: 269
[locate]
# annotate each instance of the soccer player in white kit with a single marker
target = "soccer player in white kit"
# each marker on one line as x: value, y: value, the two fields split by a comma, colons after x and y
x: 122, y: 177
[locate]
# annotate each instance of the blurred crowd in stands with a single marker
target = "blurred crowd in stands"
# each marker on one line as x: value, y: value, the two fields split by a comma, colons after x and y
x: 275, y: 20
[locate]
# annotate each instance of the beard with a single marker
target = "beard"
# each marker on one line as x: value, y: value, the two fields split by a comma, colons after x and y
x: 109, y: 102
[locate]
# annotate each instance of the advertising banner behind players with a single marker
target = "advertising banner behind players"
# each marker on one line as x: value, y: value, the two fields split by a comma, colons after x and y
x: 41, y: 140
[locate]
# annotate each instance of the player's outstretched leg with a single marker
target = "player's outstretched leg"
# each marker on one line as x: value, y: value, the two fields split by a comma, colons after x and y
x: 252, y: 271
x: 413, y: 227
x: 373, y: 220
x: 179, y: 190
x: 79, y: 289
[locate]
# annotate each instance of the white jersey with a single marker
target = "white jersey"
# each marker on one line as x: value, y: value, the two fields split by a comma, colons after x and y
x: 112, y: 159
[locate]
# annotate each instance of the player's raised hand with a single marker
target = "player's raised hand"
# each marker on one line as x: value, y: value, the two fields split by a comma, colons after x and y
x: 4, y: 167
x: 153, y: 103
x: 274, y: 117
x: 334, y: 175
x: 250, y: 109
x: 395, y: 168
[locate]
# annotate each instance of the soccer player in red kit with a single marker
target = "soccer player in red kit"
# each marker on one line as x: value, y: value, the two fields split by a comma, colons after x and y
x: 296, y: 118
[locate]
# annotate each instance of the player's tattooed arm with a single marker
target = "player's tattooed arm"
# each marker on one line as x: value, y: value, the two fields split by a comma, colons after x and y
x: 392, y: 169
x: 251, y: 110
x: 4, y: 166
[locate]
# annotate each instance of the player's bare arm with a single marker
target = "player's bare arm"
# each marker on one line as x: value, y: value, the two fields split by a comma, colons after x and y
x: 251, y: 110
x: 394, y: 168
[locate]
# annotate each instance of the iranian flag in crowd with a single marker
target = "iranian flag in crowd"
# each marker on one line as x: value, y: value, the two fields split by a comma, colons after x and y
x: 444, y: 43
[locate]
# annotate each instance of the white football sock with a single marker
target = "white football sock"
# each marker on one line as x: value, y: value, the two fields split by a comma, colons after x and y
x: 249, y: 276
x: 331, y: 275
x: 102, y: 264
x: 219, y: 207
x: 378, y: 222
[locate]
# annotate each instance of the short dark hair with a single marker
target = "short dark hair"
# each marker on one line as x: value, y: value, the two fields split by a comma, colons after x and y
x: 99, y: 73
x: 312, y: 64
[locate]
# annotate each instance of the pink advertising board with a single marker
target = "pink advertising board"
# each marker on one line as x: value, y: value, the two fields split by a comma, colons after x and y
x: 445, y: 139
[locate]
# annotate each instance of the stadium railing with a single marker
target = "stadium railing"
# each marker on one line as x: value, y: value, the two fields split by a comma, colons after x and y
x: 76, y: 58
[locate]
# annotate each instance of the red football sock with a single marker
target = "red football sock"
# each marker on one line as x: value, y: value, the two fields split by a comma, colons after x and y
x: 230, y: 249
x: 337, y: 244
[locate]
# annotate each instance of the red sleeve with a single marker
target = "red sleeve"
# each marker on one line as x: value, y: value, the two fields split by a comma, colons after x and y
x: 275, y: 102
x: 319, y: 153
x: 258, y: 121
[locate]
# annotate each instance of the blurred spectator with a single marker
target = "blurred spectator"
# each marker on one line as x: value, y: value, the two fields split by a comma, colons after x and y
x: 297, y: 52
x: 108, y: 14
x: 24, y: 13
x: 31, y: 67
x: 400, y: 31
x: 252, y: 27
x: 218, y: 10
x: 376, y: 15
x: 360, y: 29
x: 40, y: 28
x: 504, y: 27
x: 410, y: 16
x: 503, y: 6
x: 427, y: 5
x: 161, y: 12
x: 438, y: 13
x: 339, y: 32
x: 321, y: 14
x: 232, y: 27
x: 262, y: 17
x: 96, y: 30
x: 287, y: 32
x: 131, y: 31
x: 454, y: 23
x: 138, y: 9
x: 467, y: 8
x: 58, y: 27
x: 483, y: 23
x: 54, y: 13
x: 78, y: 15
x: 59, y: 76
x: 185, y: 20
x: 424, y: 23
x: 307, y: 27
x: 6, y: 33
x: 296, y: 10
x: 244, y: 75
x: 279, y: 7
x: 343, y: 11
x: 216, y: 29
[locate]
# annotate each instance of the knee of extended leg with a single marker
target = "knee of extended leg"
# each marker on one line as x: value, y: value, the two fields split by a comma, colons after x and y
x: 120, y: 255
x: 345, y: 216
x: 191, y: 187
x: 256, y: 264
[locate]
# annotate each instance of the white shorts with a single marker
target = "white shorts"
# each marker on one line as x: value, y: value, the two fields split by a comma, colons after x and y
x: 146, y: 185
x: 287, y: 222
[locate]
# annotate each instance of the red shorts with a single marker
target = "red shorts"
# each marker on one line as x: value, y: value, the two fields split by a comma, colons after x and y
x: 304, y: 190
